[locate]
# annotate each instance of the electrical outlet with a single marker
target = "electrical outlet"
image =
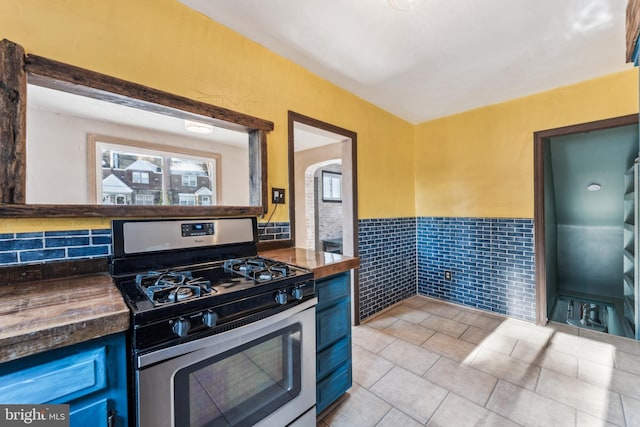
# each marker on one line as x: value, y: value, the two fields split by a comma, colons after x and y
x: 448, y: 275
x: 277, y: 196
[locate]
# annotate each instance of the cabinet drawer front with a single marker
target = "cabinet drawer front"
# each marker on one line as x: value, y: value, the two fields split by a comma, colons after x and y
x: 332, y: 357
x: 333, y: 289
x: 332, y: 324
x: 69, y: 377
x: 332, y: 387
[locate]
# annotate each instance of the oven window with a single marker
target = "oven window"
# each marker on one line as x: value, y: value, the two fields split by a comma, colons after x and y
x: 243, y: 385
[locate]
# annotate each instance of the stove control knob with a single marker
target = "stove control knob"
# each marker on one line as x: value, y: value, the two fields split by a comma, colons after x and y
x: 210, y: 318
x: 281, y: 297
x: 297, y: 292
x: 181, y: 327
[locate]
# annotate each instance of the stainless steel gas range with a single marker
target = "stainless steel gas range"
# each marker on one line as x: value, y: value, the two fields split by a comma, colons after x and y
x: 219, y: 336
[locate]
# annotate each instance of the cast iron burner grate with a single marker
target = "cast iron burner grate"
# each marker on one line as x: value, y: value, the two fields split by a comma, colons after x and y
x: 257, y: 270
x: 172, y: 287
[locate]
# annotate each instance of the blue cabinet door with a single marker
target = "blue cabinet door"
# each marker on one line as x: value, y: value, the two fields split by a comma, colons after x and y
x: 333, y: 339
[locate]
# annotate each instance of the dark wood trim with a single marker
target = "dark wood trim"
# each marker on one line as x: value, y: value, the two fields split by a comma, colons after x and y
x: 13, y: 138
x: 69, y: 78
x: 539, y: 139
x: 310, y: 121
x: 14, y: 274
x: 122, y: 211
x: 17, y: 68
x: 632, y: 27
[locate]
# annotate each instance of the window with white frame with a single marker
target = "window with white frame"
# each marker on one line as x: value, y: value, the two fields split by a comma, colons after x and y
x: 168, y: 176
x: 187, y: 199
x: 140, y: 177
x: 189, y: 181
x: 331, y: 186
x: 144, y: 199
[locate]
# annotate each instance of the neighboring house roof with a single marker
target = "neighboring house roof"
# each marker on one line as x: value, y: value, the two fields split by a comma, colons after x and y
x: 188, y: 168
x: 114, y: 185
x: 142, y: 165
x: 204, y: 191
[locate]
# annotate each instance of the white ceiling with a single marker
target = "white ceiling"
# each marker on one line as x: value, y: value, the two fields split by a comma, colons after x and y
x: 444, y: 57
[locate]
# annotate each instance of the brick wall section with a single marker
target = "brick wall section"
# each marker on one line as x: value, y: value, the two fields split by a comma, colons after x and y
x: 492, y: 261
x: 41, y: 246
x: 387, y: 250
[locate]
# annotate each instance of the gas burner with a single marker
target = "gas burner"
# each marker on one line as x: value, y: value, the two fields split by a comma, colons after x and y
x: 172, y: 286
x: 258, y: 270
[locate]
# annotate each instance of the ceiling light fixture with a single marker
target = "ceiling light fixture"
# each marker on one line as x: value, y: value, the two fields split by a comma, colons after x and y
x: 594, y: 186
x: 197, y: 127
x: 405, y: 5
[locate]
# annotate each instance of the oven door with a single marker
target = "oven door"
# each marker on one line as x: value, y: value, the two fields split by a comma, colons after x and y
x: 259, y: 374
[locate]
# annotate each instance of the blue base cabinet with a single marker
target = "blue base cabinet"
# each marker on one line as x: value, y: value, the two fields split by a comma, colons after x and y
x: 333, y: 339
x: 90, y: 377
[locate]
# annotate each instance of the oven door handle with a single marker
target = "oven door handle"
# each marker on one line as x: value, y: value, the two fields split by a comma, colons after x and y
x: 188, y: 347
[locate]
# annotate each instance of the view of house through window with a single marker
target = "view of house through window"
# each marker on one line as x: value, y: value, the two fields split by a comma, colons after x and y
x: 144, y: 174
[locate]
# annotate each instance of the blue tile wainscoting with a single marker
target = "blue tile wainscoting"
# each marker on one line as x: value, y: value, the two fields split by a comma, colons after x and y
x: 387, y: 251
x: 42, y: 246
x: 274, y: 231
x: 491, y: 260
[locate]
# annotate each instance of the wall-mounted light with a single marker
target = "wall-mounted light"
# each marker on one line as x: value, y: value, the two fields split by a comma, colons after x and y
x: 197, y: 127
x: 405, y: 4
x: 594, y: 186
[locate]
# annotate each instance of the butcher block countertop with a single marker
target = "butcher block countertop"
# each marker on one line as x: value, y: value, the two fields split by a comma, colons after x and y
x: 47, y: 314
x: 322, y: 264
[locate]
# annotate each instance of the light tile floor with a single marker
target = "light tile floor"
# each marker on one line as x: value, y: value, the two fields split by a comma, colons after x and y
x: 426, y: 362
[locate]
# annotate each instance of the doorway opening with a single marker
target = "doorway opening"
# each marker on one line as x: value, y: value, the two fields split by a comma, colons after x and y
x: 323, y: 190
x: 586, y: 234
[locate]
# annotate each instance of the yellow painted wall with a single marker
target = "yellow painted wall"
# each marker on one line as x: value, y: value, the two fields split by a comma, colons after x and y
x: 165, y: 45
x: 480, y: 163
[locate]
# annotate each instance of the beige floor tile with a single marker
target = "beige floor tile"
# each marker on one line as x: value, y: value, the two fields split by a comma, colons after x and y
x: 524, y: 331
x: 450, y: 347
x: 444, y: 325
x: 459, y: 412
x: 440, y: 309
x: 528, y: 408
x: 479, y: 319
x: 396, y: 418
x: 489, y: 339
x: 362, y: 408
x: 508, y: 368
x: 583, y: 348
x: 586, y: 420
x: 381, y: 322
x: 409, y: 356
x: 371, y: 339
x: 631, y: 411
x: 610, y: 378
x: 593, y: 400
x: 410, y: 393
x: 415, y: 334
x: 541, y: 356
x: 407, y: 314
x: 415, y: 302
x: 368, y: 367
x: 627, y: 345
x: 627, y: 362
x: 468, y: 382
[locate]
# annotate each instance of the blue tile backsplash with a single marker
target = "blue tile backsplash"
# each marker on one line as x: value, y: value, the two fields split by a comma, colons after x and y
x: 21, y: 248
x: 387, y: 250
x: 491, y: 260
